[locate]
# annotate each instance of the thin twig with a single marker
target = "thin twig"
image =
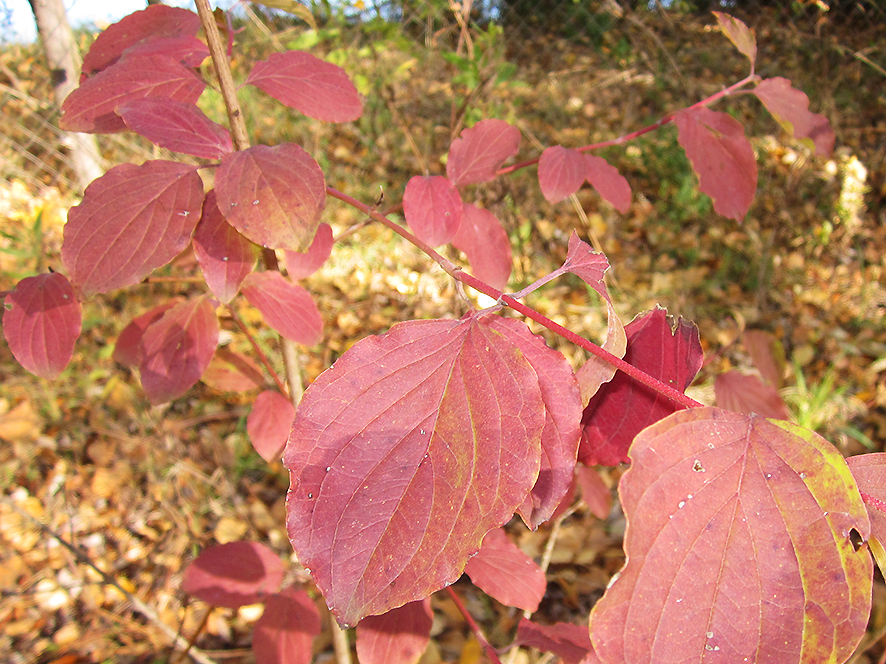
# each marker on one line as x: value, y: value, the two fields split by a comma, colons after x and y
x: 258, y: 351
x: 475, y: 628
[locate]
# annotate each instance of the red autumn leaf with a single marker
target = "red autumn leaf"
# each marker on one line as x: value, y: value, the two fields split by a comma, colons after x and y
x: 399, y: 636
x: 721, y: 156
x: 286, y: 629
x: 486, y: 244
x: 157, y: 21
x: 433, y: 439
x: 747, y: 393
x: 608, y: 182
x: 739, y: 34
x: 738, y: 547
x: 594, y: 491
x: 286, y: 307
x: 273, y: 196
x: 41, y: 323
x: 569, y: 642
x: 177, y: 348
x: 189, y: 51
x: 791, y: 108
x: 268, y: 424
x: 225, y: 257
x: 132, y: 220
x: 869, y: 471
x: 176, y: 126
x: 433, y: 209
x: 302, y: 265
x: 128, y: 350
x: 589, y: 265
x: 92, y: 107
x: 234, y: 574
x: 502, y: 571
x: 767, y: 353
x: 230, y: 371
x: 480, y: 151
x: 623, y: 407
x: 561, y: 172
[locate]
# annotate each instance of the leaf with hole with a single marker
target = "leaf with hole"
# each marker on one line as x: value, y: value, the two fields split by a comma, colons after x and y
x: 230, y: 371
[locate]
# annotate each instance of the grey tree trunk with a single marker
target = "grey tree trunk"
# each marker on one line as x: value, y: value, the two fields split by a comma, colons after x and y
x: 64, y: 67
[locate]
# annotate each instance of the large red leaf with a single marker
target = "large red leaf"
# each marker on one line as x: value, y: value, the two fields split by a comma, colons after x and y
x: 561, y: 171
x: 41, y: 323
x: 92, y: 107
x: 274, y: 196
x: 502, y: 571
x: 485, y: 242
x: 608, y: 182
x: 869, y: 471
x: 721, y: 156
x: 225, y: 257
x: 317, y: 88
x: 569, y: 642
x: 399, y: 636
x: 176, y: 126
x: 286, y: 629
x: 132, y: 220
x: 230, y: 371
x: 738, y: 547
x: 739, y: 34
x: 128, y: 350
x: 234, y: 574
x: 791, y: 108
x: 405, y: 453
x: 480, y: 151
x: 286, y: 307
x: 747, y: 393
x: 433, y: 209
x: 268, y: 424
x: 623, y: 407
x: 302, y: 265
x: 177, y: 348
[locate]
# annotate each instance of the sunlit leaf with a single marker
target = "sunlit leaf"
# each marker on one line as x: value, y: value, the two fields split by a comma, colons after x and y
x: 739, y: 34
x: 608, y: 182
x: 287, y: 628
x: 433, y: 209
x: 225, y: 257
x: 869, y: 471
x: 480, y: 151
x: 128, y: 350
x: 302, y: 265
x: 791, y: 108
x: 230, y: 371
x: 268, y: 424
x: 286, y: 307
x: 561, y: 172
x: 486, y: 244
x: 747, y: 393
x: 234, y: 574
x: 176, y: 126
x: 502, y: 571
x: 571, y: 643
x: 399, y: 636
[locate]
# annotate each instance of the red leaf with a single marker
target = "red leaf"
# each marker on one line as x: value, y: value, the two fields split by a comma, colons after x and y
x: 399, y: 636
x: 502, y: 571
x: 747, y: 393
x: 132, y: 220
x: 302, y: 265
x: 767, y: 354
x: 177, y: 348
x: 225, y: 257
x: 41, y: 323
x: 157, y: 21
x: 269, y: 423
x: 273, y: 196
x: 480, y: 151
x: 869, y: 471
x: 230, y: 371
x: 286, y: 629
x: 285, y: 306
x: 623, y: 407
x: 433, y: 439
x: 234, y: 574
x: 128, y: 350
x: 312, y: 86
x: 189, y: 51
x: 569, y: 642
x: 92, y: 107
x: 791, y: 108
x: 738, y: 34
x: 561, y: 172
x: 483, y: 240
x: 589, y: 265
x: 594, y: 491
x: 721, y: 156
x: 433, y: 209
x: 176, y: 126
x: 738, y: 547
x: 608, y: 182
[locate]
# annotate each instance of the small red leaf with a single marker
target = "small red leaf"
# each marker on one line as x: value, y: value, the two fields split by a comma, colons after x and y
x: 480, y: 151
x: 502, y: 571
x: 608, y: 182
x: 561, y: 172
x: 721, y: 156
x: 128, y: 350
x: 589, y: 265
x: 399, y: 636
x: 230, y: 371
x: 869, y: 471
x: 177, y: 348
x: 176, y: 126
x: 132, y: 220
x: 569, y: 642
x: 594, y: 492
x: 748, y: 394
x: 41, y: 323
x: 791, y: 108
x: 483, y: 240
x: 312, y: 86
x: 302, y: 265
x: 92, y: 107
x: 285, y: 632
x: 189, y: 51
x: 273, y: 196
x: 234, y: 574
x: 433, y: 209
x: 269, y: 423
x: 739, y: 34
x: 286, y: 307
x: 225, y: 257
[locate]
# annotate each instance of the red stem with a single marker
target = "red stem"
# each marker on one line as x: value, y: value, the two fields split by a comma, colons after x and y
x: 475, y: 628
x: 258, y: 351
